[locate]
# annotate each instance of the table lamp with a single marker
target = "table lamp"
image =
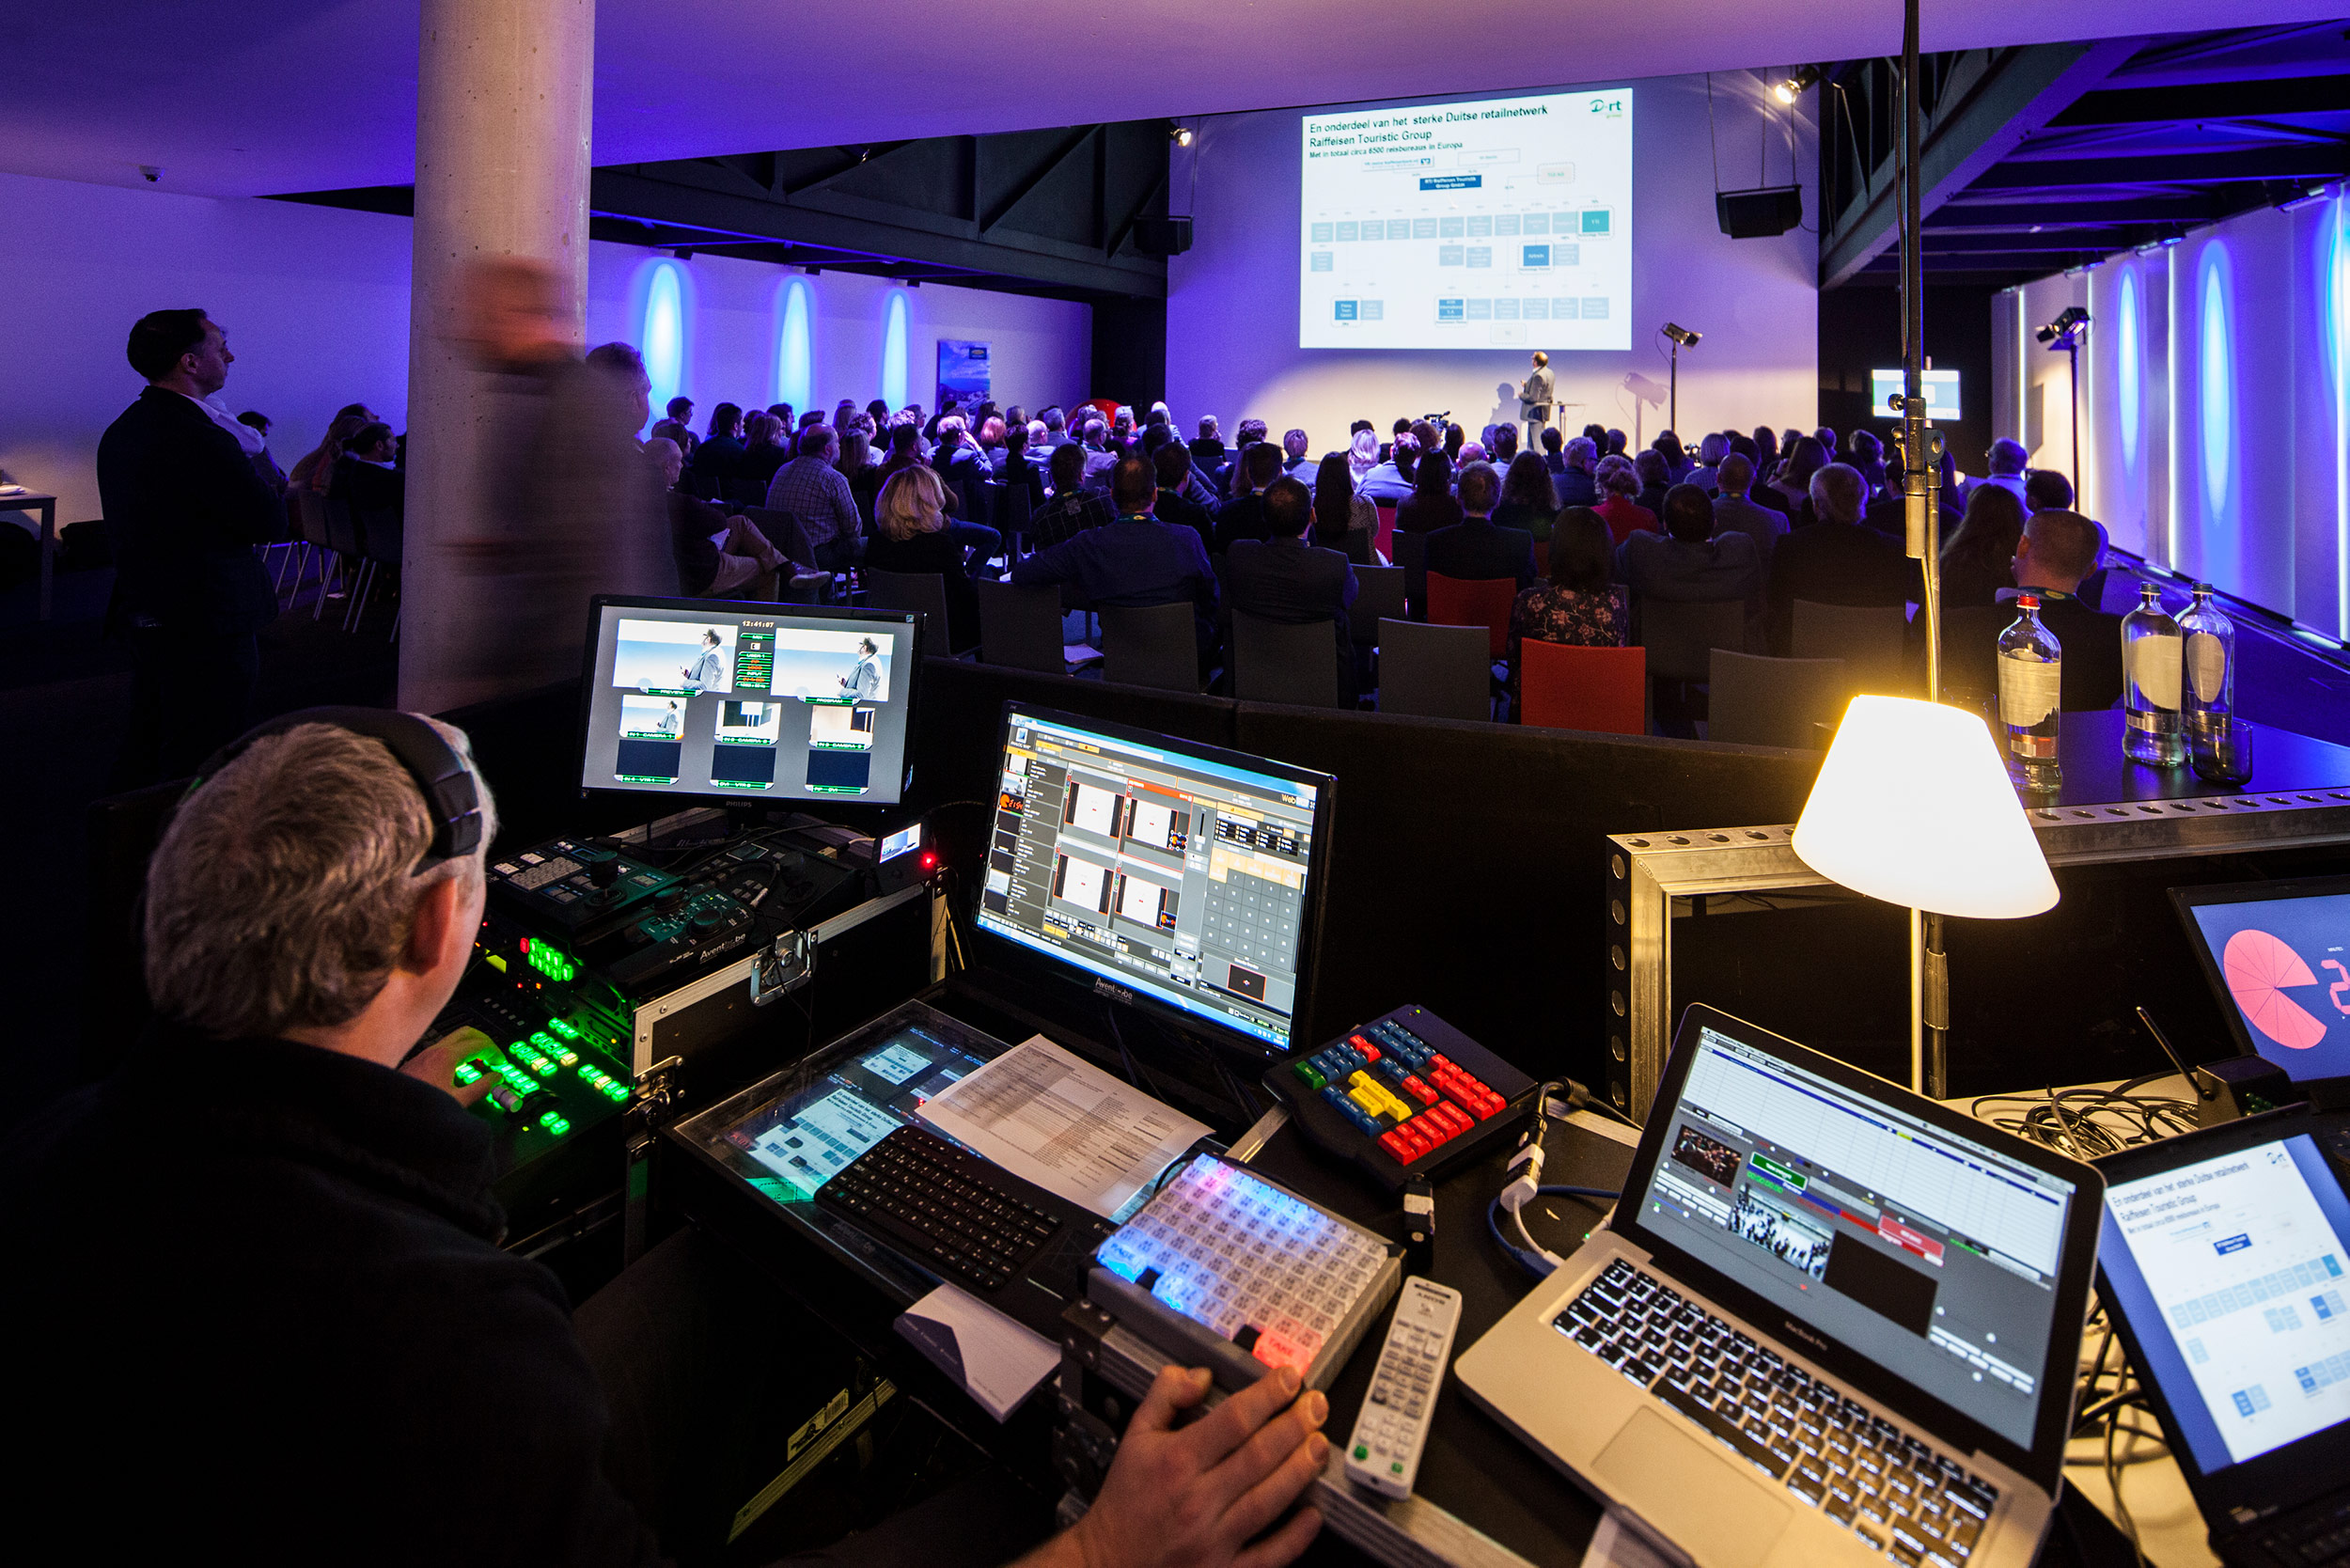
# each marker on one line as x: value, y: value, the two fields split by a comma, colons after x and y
x: 1913, y: 806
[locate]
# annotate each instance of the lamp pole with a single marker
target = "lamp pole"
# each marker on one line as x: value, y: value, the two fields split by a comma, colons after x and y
x: 1672, y: 397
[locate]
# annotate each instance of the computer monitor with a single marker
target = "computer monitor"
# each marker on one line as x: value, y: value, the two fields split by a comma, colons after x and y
x: 719, y: 700
x: 2278, y: 956
x: 1161, y: 872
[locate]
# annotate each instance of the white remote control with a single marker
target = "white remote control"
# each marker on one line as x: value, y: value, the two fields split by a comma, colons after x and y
x: 1392, y: 1428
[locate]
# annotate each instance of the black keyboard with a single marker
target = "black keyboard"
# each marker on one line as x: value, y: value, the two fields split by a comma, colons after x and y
x: 1010, y: 1243
x: 1856, y: 1467
x: 2316, y: 1536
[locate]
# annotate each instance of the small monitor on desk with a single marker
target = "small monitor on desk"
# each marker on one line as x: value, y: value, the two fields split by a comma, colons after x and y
x: 2278, y: 956
x: 1160, y: 872
x: 740, y: 702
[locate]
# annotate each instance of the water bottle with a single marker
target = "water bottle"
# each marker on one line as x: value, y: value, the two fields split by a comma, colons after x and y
x: 2151, y: 670
x: 2207, y: 688
x: 2031, y: 669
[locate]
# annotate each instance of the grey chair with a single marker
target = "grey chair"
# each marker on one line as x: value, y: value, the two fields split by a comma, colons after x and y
x: 925, y: 591
x: 783, y: 531
x: 1867, y: 637
x: 1680, y: 636
x: 382, y: 535
x: 1156, y: 645
x: 342, y: 542
x: 309, y: 516
x: 1021, y: 627
x: 1410, y: 554
x: 1014, y: 504
x: 1435, y: 671
x: 1378, y: 596
x: 1758, y: 701
x: 1275, y: 662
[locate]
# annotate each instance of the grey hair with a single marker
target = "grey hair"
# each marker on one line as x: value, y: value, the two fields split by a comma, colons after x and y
x: 283, y: 892
x: 1838, y: 493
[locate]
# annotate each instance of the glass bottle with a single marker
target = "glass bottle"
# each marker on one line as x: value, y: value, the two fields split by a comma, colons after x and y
x: 2150, y: 690
x: 2031, y: 666
x: 2207, y: 687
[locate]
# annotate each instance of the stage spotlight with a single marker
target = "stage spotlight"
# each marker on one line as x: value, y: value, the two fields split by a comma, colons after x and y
x: 1179, y: 134
x: 1681, y: 336
x: 2307, y: 196
x: 2063, y: 333
x: 1794, y: 87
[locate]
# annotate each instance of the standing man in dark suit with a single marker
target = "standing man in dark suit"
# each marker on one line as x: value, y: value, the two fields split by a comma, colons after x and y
x: 1474, y: 548
x: 1836, y: 560
x: 185, y: 510
x: 1281, y: 577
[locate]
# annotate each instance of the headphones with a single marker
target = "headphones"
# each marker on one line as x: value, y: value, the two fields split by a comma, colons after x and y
x: 450, y: 795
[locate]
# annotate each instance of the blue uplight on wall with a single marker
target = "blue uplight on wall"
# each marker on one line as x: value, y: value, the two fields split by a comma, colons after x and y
x: 2338, y: 319
x: 2126, y: 369
x: 661, y: 332
x: 893, y: 365
x: 795, y: 353
x: 2215, y: 357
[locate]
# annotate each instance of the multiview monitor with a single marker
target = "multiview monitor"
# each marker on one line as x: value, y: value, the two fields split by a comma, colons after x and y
x: 1159, y: 872
x: 744, y: 702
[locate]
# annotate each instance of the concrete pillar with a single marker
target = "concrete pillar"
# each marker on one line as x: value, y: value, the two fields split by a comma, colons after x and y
x: 504, y: 93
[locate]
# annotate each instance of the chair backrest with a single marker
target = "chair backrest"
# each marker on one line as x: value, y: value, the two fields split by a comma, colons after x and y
x: 1378, y: 596
x: 1970, y: 653
x: 1411, y: 554
x: 1601, y: 689
x: 1275, y: 662
x: 1680, y: 636
x: 342, y: 528
x: 1434, y: 671
x: 381, y: 536
x: 1384, y: 535
x: 1867, y: 637
x: 783, y: 531
x: 1014, y: 503
x: 1020, y: 626
x: 1153, y: 645
x: 312, y: 507
x: 291, y: 503
x: 1474, y: 602
x: 925, y: 591
x: 1758, y: 701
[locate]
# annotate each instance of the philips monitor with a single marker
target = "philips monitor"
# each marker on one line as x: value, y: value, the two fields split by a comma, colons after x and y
x: 713, y: 699
x: 2278, y: 956
x: 1159, y: 872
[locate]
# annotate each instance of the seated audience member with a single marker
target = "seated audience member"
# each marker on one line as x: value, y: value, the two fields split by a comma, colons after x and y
x: 1668, y: 447
x: 1343, y: 520
x: 717, y: 452
x: 1576, y: 485
x: 717, y: 556
x: 680, y: 413
x: 911, y: 535
x: 1529, y: 500
x: 1765, y: 443
x: 782, y: 415
x: 1227, y: 476
x: 1889, y: 514
x: 1362, y: 453
x: 2058, y: 549
x: 1474, y: 548
x: 1689, y: 563
x: 1655, y: 471
x: 1285, y: 577
x: 1501, y: 449
x: 1242, y: 516
x: 1619, y: 483
x: 1615, y: 443
x: 1296, y: 463
x: 1390, y: 482
x: 320, y: 1288
x: 1580, y: 606
x: 1021, y: 468
x: 762, y: 454
x: 818, y: 497
x: 857, y: 467
x: 992, y: 436
x: 878, y: 412
x: 1868, y: 454
x: 1073, y: 509
x: 1835, y: 560
x: 1790, y: 490
x: 364, y: 476
x: 1172, y: 464
x: 1135, y: 561
x: 1554, y: 451
x: 1432, y: 504
x: 263, y: 464
x: 2045, y: 490
x: 2006, y: 460
x: 1710, y: 450
x: 1734, y: 511
x: 314, y: 470
x: 1976, y: 559
x: 905, y: 447
x: 1095, y: 437
x: 961, y: 465
x: 1473, y: 452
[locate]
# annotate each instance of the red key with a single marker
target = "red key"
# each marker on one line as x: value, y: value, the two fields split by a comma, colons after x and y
x: 1371, y: 1052
x: 1393, y: 1143
x: 1420, y: 1091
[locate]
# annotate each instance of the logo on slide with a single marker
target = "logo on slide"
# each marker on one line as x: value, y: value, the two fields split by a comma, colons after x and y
x: 2259, y: 969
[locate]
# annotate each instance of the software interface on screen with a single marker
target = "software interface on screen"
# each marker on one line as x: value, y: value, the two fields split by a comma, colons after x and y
x: 811, y: 1137
x: 1940, y: 387
x: 1462, y: 226
x: 1927, y: 1253
x: 697, y: 701
x: 2284, y: 964
x: 1177, y: 876
x: 2230, y: 1271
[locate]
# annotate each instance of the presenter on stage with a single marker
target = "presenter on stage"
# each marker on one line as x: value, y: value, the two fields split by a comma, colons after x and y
x: 1534, y: 402
x: 865, y: 680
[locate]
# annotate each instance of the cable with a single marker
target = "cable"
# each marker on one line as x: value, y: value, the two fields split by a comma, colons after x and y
x: 1534, y: 1258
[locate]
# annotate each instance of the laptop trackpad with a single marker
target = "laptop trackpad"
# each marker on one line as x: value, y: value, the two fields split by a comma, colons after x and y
x: 1684, y: 1489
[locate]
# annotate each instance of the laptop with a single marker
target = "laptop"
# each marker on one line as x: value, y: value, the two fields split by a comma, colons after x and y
x: 2225, y: 1268
x: 1831, y: 1321
x: 2277, y: 957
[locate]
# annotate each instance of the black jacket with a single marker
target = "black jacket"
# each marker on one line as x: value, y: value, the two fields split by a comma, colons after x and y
x: 184, y: 511
x: 1834, y: 563
x: 1474, y: 549
x: 264, y: 1284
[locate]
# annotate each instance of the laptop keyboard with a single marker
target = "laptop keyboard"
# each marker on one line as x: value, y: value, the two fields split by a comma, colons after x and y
x: 2318, y: 1537
x: 1893, y: 1491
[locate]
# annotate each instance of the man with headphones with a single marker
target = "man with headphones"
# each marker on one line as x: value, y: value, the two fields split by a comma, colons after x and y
x: 256, y: 1298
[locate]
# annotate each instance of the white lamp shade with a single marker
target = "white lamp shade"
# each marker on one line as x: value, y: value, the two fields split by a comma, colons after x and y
x: 1913, y: 807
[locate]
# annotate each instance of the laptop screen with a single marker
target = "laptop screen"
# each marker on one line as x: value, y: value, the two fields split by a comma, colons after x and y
x: 1930, y: 1255
x: 2278, y: 955
x: 2230, y: 1272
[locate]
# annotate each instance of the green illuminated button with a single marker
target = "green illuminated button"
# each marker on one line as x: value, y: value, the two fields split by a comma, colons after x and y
x: 1396, y: 1468
x: 467, y: 1072
x: 563, y: 1028
x: 1310, y: 1075
x: 1362, y: 1450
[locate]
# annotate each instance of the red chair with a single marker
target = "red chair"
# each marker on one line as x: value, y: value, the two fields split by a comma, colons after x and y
x: 1473, y: 602
x: 1601, y: 689
x: 1385, y: 538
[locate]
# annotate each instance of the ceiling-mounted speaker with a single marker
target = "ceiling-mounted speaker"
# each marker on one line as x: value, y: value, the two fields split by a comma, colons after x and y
x: 1759, y: 214
x: 1162, y: 236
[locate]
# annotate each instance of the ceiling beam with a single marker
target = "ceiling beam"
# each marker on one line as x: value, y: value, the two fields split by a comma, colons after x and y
x: 2019, y: 94
x: 2281, y: 95
x: 1028, y: 184
x: 2302, y: 162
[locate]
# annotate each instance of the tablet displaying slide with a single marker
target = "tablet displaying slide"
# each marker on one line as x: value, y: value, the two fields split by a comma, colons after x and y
x: 1503, y: 221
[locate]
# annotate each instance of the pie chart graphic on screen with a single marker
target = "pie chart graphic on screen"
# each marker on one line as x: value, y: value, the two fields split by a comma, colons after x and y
x: 2260, y: 969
